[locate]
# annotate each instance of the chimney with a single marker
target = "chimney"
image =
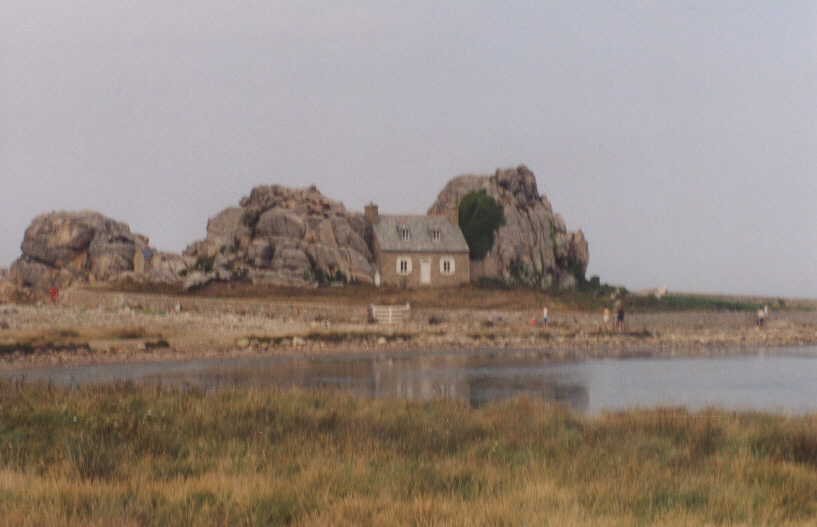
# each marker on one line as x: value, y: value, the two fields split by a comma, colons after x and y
x: 371, y: 214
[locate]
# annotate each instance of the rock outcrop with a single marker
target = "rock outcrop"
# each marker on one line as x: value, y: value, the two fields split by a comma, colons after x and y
x: 284, y: 236
x: 533, y: 247
x: 10, y: 293
x: 61, y: 248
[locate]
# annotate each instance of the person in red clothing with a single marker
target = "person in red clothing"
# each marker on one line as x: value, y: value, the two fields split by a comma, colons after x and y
x: 54, y: 292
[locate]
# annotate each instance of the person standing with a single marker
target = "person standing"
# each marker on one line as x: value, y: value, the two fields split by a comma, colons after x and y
x: 605, y: 315
x: 620, y: 316
x: 545, y: 316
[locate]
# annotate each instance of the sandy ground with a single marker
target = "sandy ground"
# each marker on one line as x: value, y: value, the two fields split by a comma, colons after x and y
x: 104, y: 327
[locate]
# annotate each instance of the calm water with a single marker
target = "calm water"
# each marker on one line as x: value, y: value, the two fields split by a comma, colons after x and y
x: 773, y: 380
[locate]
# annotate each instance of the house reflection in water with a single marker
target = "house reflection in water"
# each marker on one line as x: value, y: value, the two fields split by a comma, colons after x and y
x: 477, y: 378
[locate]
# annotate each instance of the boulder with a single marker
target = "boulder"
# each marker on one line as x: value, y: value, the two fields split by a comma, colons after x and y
x: 290, y: 237
x: 167, y: 268
x: 61, y: 248
x: 289, y: 257
x: 9, y: 292
x: 37, y: 277
x: 279, y: 222
x: 534, y: 246
x: 325, y: 234
x: 360, y: 268
x: 347, y: 234
x: 329, y: 259
x: 227, y: 229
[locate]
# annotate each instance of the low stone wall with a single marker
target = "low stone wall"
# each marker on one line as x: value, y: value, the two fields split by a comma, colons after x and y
x: 170, y: 303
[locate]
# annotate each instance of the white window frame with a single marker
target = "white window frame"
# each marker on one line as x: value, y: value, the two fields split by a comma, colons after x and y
x: 400, y: 260
x: 405, y: 235
x: 452, y: 266
x: 436, y: 235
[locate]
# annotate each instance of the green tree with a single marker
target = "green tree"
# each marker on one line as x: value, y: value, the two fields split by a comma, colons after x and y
x: 479, y: 216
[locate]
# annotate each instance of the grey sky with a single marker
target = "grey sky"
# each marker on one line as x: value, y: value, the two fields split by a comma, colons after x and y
x: 681, y: 137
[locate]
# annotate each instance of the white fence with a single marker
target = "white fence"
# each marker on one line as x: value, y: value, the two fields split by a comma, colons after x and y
x: 389, y: 314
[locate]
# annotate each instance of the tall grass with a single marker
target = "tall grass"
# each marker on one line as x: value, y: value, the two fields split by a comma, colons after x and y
x: 671, y: 303
x: 141, y: 456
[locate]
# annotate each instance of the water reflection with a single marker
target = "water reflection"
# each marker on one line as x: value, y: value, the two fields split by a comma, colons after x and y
x: 782, y: 380
x: 477, y: 378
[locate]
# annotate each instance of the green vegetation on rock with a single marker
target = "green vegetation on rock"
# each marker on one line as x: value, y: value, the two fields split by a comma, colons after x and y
x: 479, y: 218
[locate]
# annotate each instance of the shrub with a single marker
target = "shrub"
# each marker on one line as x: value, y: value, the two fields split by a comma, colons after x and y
x: 479, y: 218
x: 204, y: 263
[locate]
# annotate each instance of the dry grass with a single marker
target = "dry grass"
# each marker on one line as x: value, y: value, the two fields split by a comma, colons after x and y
x: 469, y: 296
x: 134, y: 456
x: 484, y: 295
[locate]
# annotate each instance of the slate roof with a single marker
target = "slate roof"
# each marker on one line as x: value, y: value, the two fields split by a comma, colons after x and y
x: 388, y: 231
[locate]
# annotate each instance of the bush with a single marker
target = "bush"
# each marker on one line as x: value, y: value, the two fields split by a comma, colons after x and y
x: 479, y: 217
x: 203, y: 263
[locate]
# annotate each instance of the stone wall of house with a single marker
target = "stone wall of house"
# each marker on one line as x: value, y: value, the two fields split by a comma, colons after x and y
x: 389, y: 276
x: 140, y: 264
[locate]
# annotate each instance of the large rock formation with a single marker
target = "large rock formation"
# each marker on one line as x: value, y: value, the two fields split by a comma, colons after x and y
x: 284, y: 236
x: 9, y: 293
x: 61, y: 248
x: 533, y: 247
x: 290, y: 236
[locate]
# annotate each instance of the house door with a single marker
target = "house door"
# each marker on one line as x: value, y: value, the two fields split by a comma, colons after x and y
x: 425, y: 270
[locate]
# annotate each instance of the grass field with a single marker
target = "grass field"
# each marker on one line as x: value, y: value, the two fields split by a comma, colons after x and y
x: 135, y: 456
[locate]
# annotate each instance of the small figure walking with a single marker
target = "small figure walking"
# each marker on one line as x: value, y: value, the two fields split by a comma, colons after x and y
x: 620, y: 316
x: 545, y: 316
x: 54, y: 293
x: 605, y: 315
x: 760, y: 317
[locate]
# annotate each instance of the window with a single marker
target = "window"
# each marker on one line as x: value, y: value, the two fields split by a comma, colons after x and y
x: 403, y: 265
x: 404, y: 234
x: 447, y: 266
x: 435, y: 235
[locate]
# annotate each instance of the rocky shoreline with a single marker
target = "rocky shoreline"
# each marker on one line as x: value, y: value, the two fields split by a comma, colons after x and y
x: 106, y: 327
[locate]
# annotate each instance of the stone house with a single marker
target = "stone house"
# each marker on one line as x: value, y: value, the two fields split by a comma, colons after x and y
x: 142, y: 260
x: 417, y: 251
